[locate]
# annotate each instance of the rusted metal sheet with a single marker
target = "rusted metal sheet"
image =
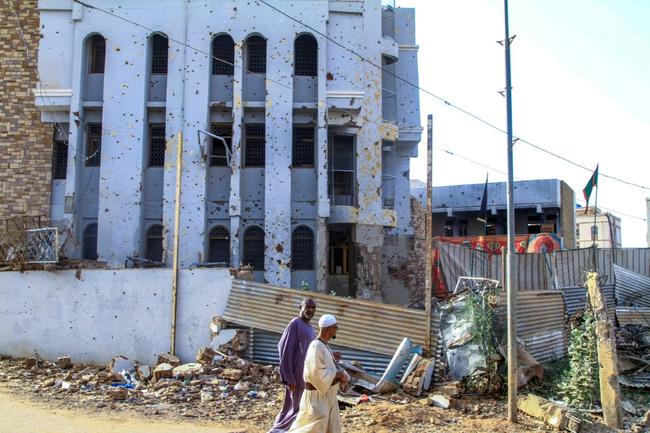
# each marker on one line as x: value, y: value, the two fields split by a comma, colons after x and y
x: 540, y: 323
x: 632, y: 289
x: 363, y: 325
x: 633, y: 315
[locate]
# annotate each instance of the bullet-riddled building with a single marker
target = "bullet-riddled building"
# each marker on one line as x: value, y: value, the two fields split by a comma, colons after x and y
x: 296, y: 133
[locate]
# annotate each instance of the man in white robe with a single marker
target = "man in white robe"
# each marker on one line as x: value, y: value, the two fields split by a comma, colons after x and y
x: 319, y: 408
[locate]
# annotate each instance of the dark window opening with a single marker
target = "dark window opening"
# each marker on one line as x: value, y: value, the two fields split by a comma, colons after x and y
x: 157, y: 145
x: 93, y: 144
x: 218, y: 155
x: 159, y: 56
x: 256, y: 55
x: 340, y: 252
x: 219, y: 246
x: 550, y: 224
x: 303, y: 146
x: 449, y: 227
x: 491, y: 226
x: 462, y: 228
x: 341, y: 179
x: 302, y: 249
x: 534, y: 224
x: 89, y: 243
x: 59, y: 159
x: 154, y: 248
x: 97, y: 54
x: 254, y: 248
x: 306, y: 56
x: 223, y: 55
x: 254, y: 149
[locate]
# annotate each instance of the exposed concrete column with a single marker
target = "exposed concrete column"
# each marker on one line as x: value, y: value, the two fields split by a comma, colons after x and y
x: 123, y: 138
x: 277, y: 171
x: 234, y: 207
x: 323, y: 202
x: 368, y: 242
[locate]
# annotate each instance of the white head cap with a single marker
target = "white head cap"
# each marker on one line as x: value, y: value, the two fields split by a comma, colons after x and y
x: 326, y: 320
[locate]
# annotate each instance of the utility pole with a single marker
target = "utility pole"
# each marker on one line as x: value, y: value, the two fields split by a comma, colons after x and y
x: 428, y: 229
x: 511, y: 288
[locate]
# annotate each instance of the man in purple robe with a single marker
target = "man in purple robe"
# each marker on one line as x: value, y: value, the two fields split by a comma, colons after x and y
x: 292, y: 349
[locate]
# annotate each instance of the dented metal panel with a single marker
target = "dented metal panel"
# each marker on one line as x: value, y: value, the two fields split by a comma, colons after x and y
x: 363, y: 325
x: 632, y: 289
x: 540, y: 323
x: 633, y: 315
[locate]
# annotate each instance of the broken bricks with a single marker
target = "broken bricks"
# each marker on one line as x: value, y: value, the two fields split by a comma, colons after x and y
x: 64, y: 362
x: 163, y: 371
x: 168, y: 358
x: 206, y: 355
x: 118, y: 393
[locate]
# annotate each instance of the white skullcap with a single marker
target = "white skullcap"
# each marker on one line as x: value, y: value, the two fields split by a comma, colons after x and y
x: 326, y: 320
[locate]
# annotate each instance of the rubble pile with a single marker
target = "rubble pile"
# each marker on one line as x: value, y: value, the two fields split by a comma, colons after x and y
x: 217, y: 385
x: 633, y: 348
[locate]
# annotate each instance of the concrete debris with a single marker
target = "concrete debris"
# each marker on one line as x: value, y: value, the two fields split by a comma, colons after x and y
x: 118, y: 393
x: 230, y: 374
x: 163, y: 371
x: 64, y: 362
x: 553, y: 414
x: 441, y: 400
x: 420, y: 378
x: 143, y: 372
x: 207, y: 355
x: 187, y: 371
x: 167, y: 358
x: 30, y: 362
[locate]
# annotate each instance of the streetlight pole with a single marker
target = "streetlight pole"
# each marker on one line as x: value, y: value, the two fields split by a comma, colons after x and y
x: 511, y: 287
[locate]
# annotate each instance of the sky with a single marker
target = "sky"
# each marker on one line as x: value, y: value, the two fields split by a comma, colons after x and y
x: 581, y: 89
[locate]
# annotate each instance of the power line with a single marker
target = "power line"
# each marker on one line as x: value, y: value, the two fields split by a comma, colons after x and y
x: 184, y: 44
x: 496, y: 170
x: 447, y: 102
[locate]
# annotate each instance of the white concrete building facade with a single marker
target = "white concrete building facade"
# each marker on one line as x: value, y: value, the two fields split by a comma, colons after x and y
x: 311, y: 170
x: 605, y: 233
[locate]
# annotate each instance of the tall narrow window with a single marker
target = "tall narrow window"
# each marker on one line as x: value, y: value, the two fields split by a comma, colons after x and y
x: 156, y: 145
x: 302, y: 249
x: 223, y: 55
x: 254, y: 148
x: 219, y: 156
x: 303, y: 146
x: 256, y: 55
x: 93, y: 144
x: 341, y: 179
x: 89, y: 242
x: 159, y: 57
x: 254, y: 248
x: 219, y: 246
x: 305, y: 54
x: 59, y: 159
x: 154, y: 243
x: 462, y: 228
x: 97, y: 55
x: 449, y: 227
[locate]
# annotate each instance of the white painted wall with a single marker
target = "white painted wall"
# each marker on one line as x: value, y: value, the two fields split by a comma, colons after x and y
x: 93, y: 315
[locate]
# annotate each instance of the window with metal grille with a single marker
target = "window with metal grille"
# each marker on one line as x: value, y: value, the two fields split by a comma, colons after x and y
x: 341, y: 171
x: 305, y: 56
x: 93, y: 144
x: 97, y: 54
x: 256, y: 55
x: 154, y: 243
x: 302, y: 249
x: 254, y: 148
x: 218, y: 155
x: 223, y: 55
x: 303, y: 146
x: 156, y: 145
x: 219, y: 246
x: 254, y: 248
x: 159, y: 49
x: 59, y: 159
x: 89, y: 243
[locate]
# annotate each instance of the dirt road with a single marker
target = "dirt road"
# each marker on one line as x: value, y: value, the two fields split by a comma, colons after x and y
x: 23, y: 416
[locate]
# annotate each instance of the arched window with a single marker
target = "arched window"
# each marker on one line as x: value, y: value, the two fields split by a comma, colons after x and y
x: 97, y: 54
x: 302, y: 249
x: 89, y: 243
x: 159, y: 54
x: 219, y: 245
x: 306, y: 56
x: 256, y: 54
x: 254, y: 248
x: 223, y: 55
x: 154, y: 243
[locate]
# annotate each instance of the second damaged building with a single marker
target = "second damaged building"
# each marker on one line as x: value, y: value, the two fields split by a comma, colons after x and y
x: 295, y: 152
